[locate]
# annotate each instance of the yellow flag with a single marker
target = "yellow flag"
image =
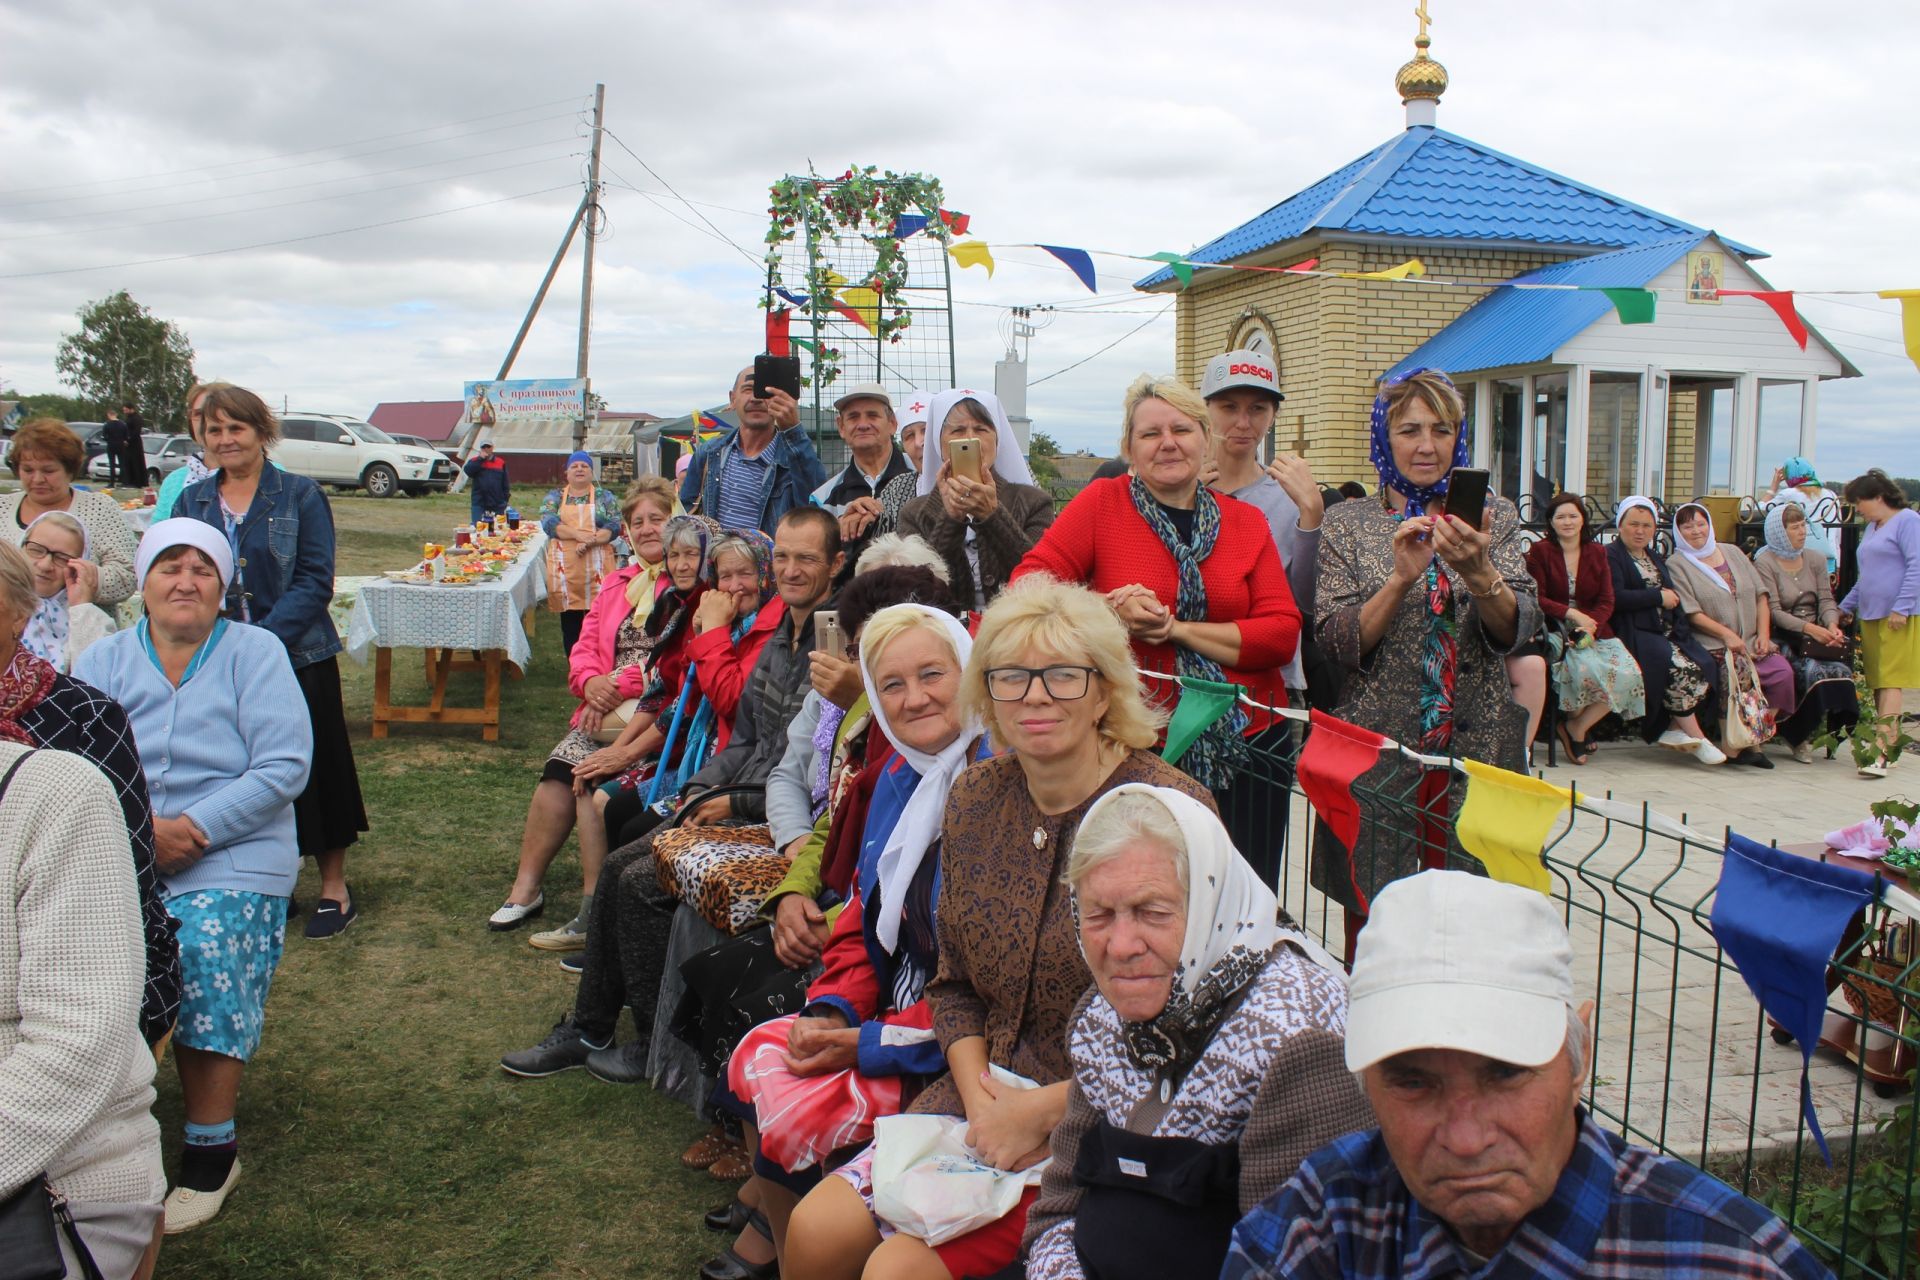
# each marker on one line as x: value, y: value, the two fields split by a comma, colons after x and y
x: 972, y: 253
x: 864, y: 303
x: 1909, y: 319
x: 1411, y: 269
x: 1505, y: 821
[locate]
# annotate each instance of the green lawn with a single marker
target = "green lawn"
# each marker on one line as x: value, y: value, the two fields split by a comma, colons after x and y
x: 378, y: 1134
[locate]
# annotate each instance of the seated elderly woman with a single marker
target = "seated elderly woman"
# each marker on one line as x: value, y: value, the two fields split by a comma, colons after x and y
x: 1197, y: 983
x: 66, y: 620
x: 76, y: 1083
x: 1052, y: 677
x: 47, y: 457
x: 1806, y: 622
x: 1593, y: 672
x: 1727, y: 605
x: 982, y: 527
x: 224, y: 737
x: 812, y: 1083
x: 1649, y: 621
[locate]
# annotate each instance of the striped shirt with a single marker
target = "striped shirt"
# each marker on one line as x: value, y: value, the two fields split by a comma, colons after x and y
x: 743, y: 489
x: 1618, y: 1211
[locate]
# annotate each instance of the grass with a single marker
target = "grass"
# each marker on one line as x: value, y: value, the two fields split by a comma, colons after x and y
x: 378, y: 1135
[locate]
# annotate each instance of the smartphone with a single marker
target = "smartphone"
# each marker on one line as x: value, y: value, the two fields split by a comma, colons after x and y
x: 964, y: 454
x: 776, y: 371
x: 1467, y: 495
x: 827, y: 636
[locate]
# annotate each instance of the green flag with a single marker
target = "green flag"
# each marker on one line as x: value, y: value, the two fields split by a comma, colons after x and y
x: 1176, y: 263
x: 1634, y: 306
x: 1202, y: 702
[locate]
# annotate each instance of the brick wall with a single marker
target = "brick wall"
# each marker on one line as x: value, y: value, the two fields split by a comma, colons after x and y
x: 1683, y: 409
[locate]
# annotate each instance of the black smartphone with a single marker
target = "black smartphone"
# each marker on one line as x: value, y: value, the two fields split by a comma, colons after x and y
x: 776, y: 371
x: 1467, y: 495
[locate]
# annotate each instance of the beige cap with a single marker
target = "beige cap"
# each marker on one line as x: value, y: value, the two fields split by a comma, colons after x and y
x: 864, y: 391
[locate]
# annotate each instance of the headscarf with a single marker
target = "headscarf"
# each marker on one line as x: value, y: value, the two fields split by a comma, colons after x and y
x: 653, y: 581
x: 919, y: 823
x: 1009, y: 459
x: 1699, y: 557
x: 1777, y: 540
x: 182, y: 531
x: 1798, y: 471
x: 1417, y: 495
x: 580, y: 455
x: 757, y: 543
x: 52, y: 621
x: 1629, y: 503
x: 25, y: 681
x: 1233, y: 929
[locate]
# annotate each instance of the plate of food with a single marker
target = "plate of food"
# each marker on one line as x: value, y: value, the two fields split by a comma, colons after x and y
x: 408, y: 575
x: 456, y: 580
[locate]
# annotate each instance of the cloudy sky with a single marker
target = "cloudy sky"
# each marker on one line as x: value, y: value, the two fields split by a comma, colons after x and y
x: 355, y: 204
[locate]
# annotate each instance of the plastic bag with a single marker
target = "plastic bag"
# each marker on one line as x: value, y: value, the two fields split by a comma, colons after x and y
x: 927, y: 1183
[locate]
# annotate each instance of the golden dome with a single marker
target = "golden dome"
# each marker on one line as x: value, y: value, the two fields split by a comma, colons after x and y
x: 1422, y: 77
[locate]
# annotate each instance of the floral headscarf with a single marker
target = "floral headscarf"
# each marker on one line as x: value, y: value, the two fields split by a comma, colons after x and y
x: 1777, y: 540
x: 1381, y: 450
x: 756, y: 544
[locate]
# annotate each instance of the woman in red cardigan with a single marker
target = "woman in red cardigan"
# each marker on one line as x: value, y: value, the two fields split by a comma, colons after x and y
x: 1197, y: 580
x: 1594, y: 673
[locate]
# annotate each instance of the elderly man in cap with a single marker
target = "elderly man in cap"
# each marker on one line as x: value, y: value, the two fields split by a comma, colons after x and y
x: 865, y: 419
x: 1462, y: 1028
x: 750, y: 476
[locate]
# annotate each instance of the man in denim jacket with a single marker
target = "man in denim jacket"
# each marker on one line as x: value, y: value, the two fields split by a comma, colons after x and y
x: 752, y: 475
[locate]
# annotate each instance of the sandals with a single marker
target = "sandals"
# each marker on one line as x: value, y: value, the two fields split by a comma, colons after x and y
x: 1577, y: 752
x: 729, y: 1265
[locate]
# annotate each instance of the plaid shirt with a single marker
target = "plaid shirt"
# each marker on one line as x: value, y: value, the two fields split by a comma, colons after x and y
x: 1618, y: 1211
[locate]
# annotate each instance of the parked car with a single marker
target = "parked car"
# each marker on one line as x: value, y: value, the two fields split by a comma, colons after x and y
x: 164, y: 454
x: 421, y: 442
x: 337, y: 449
x: 90, y: 438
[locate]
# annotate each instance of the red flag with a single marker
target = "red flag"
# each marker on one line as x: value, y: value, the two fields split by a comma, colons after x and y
x: 778, y: 343
x: 1336, y: 754
x: 1308, y: 265
x: 956, y: 222
x: 1781, y: 300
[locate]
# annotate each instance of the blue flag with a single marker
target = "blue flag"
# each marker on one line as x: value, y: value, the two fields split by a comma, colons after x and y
x: 908, y: 224
x: 1078, y: 259
x: 1779, y: 918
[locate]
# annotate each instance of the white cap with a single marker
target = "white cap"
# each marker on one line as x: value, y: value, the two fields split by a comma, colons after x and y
x: 864, y: 391
x: 1241, y: 369
x: 1450, y: 960
x: 916, y: 409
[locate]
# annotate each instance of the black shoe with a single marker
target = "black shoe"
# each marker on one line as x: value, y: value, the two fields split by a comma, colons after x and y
x: 619, y: 1064
x: 728, y: 1265
x: 329, y: 921
x: 730, y: 1217
x: 1755, y: 757
x: 574, y: 963
x: 564, y: 1049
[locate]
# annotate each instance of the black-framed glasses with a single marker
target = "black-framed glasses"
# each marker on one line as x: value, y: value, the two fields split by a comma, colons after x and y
x: 34, y: 551
x: 1064, y: 683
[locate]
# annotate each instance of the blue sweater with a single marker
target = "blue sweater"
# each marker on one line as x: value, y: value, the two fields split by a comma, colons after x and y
x: 229, y: 749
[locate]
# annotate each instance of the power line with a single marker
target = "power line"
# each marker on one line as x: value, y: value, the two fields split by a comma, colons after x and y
x: 758, y: 262
x: 1110, y: 346
x: 268, y: 244
x: 285, y: 155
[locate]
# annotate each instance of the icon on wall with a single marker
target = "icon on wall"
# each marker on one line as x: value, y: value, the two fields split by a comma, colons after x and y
x: 1704, y: 276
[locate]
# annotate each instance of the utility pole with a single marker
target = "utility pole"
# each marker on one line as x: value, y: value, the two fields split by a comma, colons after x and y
x: 591, y: 219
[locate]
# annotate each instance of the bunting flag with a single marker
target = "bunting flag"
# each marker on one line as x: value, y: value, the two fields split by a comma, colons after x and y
x: 860, y: 305
x: 1176, y: 263
x: 1335, y: 756
x: 1781, y: 300
x: 956, y: 222
x: 1079, y: 261
x: 1505, y: 821
x: 808, y: 345
x: 909, y: 224
x: 1300, y: 268
x: 1634, y: 306
x: 778, y: 341
x: 799, y: 300
x: 1909, y: 319
x: 1202, y: 702
x: 972, y: 253
x: 1779, y: 918
x: 1411, y: 269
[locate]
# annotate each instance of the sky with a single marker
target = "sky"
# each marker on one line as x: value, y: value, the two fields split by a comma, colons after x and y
x: 356, y: 204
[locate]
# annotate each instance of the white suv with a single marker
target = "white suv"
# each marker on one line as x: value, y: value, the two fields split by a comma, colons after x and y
x: 336, y: 449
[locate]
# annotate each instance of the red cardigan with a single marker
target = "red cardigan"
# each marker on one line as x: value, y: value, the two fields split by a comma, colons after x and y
x: 721, y: 667
x: 1594, y: 595
x: 1099, y: 539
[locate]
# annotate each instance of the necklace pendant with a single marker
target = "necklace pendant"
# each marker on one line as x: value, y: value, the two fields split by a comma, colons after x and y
x: 1039, y: 837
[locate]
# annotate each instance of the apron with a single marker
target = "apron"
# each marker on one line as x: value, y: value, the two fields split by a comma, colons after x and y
x: 1163, y: 1207
x: 573, y: 578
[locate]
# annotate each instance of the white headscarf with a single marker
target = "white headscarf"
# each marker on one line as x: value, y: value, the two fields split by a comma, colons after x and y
x: 1233, y: 928
x: 1629, y: 503
x: 46, y: 632
x: 180, y: 531
x: 1009, y: 460
x: 1699, y: 557
x: 919, y: 823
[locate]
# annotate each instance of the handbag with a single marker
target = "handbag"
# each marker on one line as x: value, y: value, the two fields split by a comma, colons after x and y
x: 32, y: 1215
x: 1749, y: 720
x: 1819, y: 652
x: 615, y: 721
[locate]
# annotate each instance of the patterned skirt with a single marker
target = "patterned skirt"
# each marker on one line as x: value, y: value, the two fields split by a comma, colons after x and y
x: 1603, y: 672
x: 724, y: 873
x: 230, y: 944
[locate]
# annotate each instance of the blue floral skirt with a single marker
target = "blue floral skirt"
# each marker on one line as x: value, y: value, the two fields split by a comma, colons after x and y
x: 230, y: 944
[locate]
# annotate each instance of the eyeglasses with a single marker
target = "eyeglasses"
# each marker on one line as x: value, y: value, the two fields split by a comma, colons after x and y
x: 34, y: 551
x: 1012, y: 684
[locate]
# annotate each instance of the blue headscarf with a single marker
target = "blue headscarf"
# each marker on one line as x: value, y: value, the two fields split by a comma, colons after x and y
x: 580, y: 455
x: 1417, y: 495
x: 1777, y: 541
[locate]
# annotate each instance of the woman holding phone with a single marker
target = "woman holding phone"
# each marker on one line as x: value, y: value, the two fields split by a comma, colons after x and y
x: 978, y: 506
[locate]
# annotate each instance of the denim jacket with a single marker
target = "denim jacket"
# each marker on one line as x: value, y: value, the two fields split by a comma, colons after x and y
x: 286, y: 557
x: 795, y: 474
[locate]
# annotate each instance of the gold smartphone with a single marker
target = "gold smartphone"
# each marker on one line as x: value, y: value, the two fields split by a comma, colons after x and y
x: 964, y: 454
x: 827, y: 636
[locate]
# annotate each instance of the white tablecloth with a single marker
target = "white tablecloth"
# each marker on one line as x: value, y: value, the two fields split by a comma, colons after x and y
x: 139, y: 519
x: 485, y: 615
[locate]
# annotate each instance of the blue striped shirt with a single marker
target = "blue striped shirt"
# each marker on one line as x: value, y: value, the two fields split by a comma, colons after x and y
x: 743, y: 489
x: 1618, y: 1211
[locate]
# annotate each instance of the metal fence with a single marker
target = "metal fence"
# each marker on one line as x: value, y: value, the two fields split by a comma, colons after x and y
x: 1684, y: 1061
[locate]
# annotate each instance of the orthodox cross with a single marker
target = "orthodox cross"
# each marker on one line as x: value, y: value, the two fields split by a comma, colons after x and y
x: 1420, y: 12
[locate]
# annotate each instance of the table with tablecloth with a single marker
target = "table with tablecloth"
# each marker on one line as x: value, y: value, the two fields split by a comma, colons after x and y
x: 489, y: 616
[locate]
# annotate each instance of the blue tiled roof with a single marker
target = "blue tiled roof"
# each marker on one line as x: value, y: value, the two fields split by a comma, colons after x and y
x: 1428, y: 184
x: 1523, y: 326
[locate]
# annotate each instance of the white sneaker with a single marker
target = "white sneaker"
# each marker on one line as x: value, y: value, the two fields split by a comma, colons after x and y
x: 1803, y: 752
x: 1675, y: 740
x: 1878, y: 769
x: 512, y: 915
x: 1707, y: 753
x: 186, y: 1209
